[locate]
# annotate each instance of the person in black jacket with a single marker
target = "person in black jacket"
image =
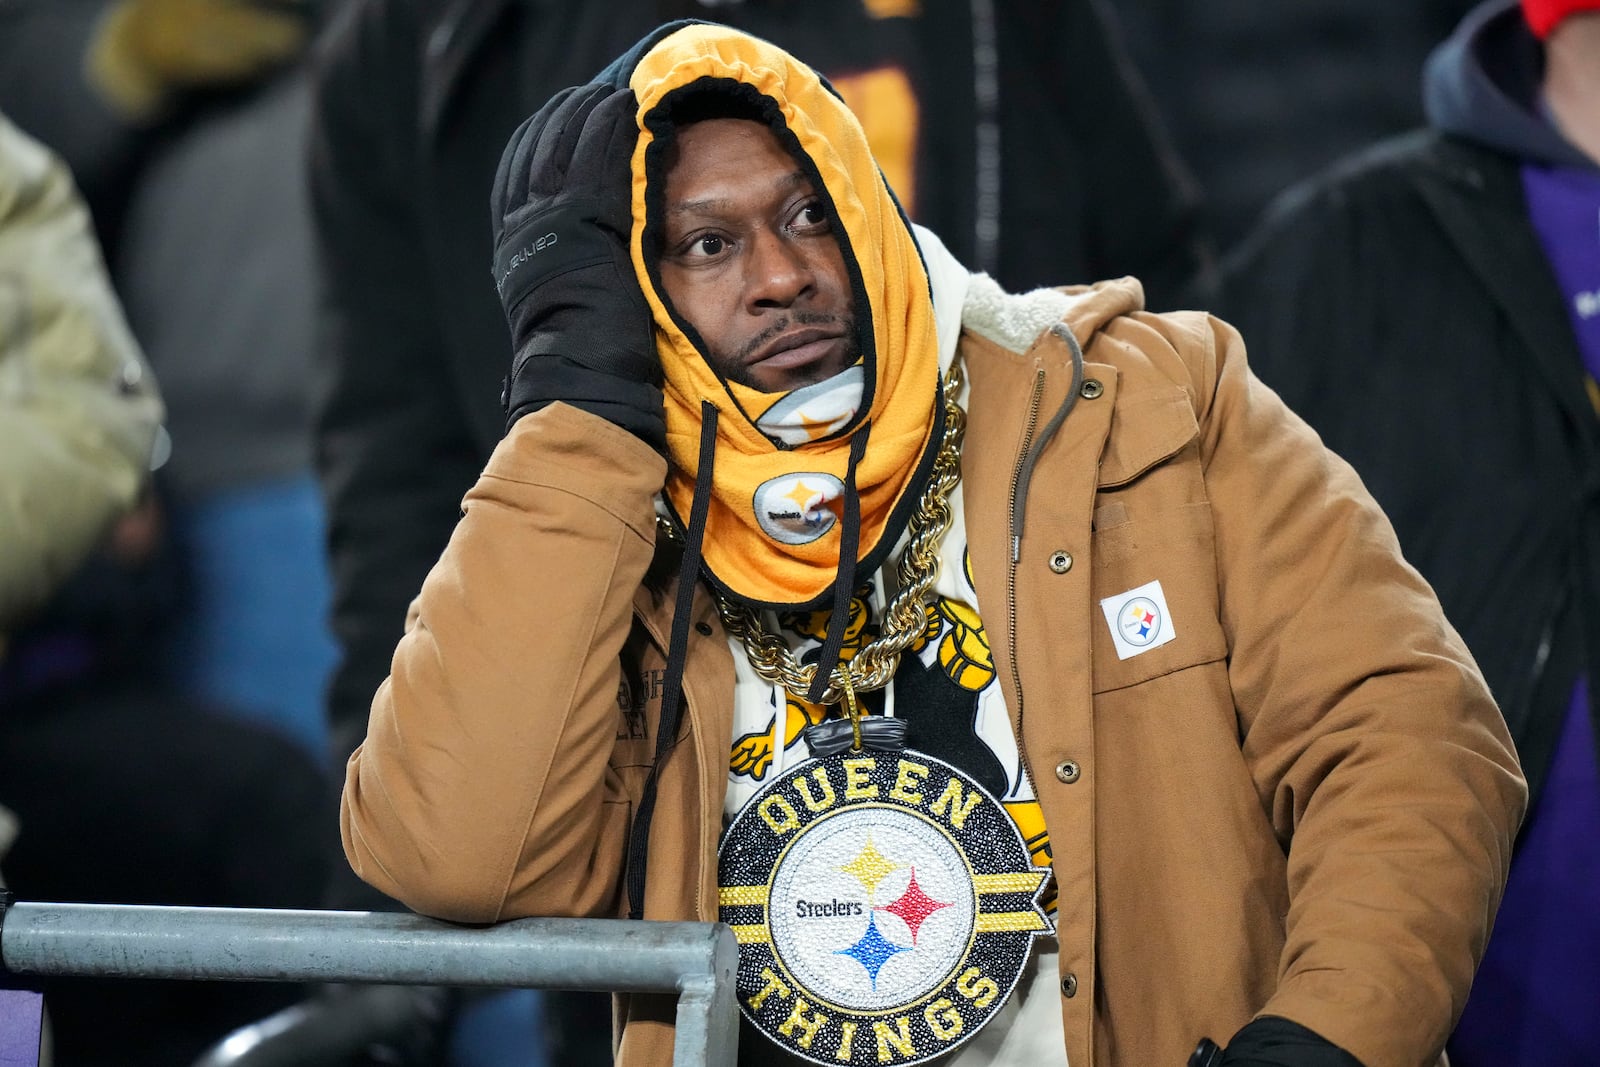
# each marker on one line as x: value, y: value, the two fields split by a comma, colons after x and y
x: 1432, y: 307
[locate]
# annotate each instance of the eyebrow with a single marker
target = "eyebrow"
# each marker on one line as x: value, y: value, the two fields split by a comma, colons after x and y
x: 715, y: 204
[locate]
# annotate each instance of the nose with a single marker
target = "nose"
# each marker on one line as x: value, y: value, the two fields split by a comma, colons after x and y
x: 777, y: 272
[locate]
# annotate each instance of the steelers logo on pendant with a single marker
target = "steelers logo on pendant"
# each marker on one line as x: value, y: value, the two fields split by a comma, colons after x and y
x: 884, y: 905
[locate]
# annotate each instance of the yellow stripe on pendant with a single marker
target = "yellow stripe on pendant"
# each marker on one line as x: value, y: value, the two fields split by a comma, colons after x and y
x: 738, y: 896
x: 994, y: 922
x: 752, y: 934
x: 1018, y: 882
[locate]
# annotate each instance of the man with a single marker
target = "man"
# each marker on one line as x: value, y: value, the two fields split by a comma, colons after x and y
x: 1035, y: 167
x: 1021, y: 132
x: 1134, y: 608
x: 1430, y: 306
x: 1032, y: 166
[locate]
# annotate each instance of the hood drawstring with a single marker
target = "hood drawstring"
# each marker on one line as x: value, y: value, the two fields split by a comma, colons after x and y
x: 844, y: 585
x: 1025, y: 473
x: 677, y: 656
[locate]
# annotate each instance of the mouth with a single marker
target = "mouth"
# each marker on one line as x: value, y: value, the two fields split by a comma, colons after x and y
x: 797, y: 348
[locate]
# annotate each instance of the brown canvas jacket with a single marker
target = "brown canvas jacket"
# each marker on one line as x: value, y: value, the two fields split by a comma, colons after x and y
x: 1314, y: 696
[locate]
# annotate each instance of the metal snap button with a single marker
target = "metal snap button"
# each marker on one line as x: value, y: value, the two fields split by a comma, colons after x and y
x: 1068, y: 771
x: 1091, y: 388
x: 1069, y: 986
x: 1061, y: 562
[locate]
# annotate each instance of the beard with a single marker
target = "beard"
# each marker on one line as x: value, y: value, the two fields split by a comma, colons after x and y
x: 735, y: 367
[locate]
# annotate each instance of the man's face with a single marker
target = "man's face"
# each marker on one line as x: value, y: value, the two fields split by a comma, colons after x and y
x: 751, y: 261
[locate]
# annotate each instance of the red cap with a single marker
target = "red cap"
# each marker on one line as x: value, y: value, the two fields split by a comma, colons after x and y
x: 1543, y: 15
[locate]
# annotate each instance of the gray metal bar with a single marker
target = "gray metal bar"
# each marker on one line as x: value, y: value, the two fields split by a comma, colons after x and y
x: 696, y: 960
x: 707, y: 1029
x: 237, y: 944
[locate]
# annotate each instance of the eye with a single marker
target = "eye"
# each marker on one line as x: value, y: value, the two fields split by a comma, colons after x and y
x: 703, y: 246
x: 709, y: 245
x: 811, y: 217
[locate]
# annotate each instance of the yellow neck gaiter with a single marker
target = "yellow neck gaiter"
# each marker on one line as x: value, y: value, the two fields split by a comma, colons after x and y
x: 777, y: 515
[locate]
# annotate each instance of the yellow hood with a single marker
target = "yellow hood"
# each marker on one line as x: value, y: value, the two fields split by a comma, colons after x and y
x: 756, y: 548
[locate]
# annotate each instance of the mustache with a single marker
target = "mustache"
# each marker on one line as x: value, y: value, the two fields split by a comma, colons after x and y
x: 803, y: 318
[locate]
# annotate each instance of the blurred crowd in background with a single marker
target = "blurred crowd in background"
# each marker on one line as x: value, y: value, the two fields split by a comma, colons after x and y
x: 250, y: 359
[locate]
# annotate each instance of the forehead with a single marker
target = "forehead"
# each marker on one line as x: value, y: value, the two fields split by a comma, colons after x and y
x: 723, y: 157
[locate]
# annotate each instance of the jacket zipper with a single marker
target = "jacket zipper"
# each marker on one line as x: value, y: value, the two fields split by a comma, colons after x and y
x: 1016, y: 555
x: 1528, y: 699
x: 1541, y: 656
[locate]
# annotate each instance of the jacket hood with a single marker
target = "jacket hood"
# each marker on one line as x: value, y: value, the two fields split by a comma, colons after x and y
x: 1482, y: 84
x: 787, y: 520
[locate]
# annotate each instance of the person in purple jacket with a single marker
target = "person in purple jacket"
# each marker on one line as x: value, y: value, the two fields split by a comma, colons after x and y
x: 1432, y: 307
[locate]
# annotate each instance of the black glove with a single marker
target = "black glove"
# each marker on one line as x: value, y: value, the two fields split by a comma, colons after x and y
x: 1274, y: 1042
x: 562, y: 207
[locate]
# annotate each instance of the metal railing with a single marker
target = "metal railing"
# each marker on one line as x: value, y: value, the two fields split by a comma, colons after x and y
x: 697, y: 961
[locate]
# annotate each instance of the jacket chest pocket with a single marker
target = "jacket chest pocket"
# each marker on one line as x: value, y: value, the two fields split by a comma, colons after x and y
x: 1153, y: 582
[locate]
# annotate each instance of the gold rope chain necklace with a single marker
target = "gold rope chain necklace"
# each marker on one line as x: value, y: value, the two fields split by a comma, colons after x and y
x: 874, y: 664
